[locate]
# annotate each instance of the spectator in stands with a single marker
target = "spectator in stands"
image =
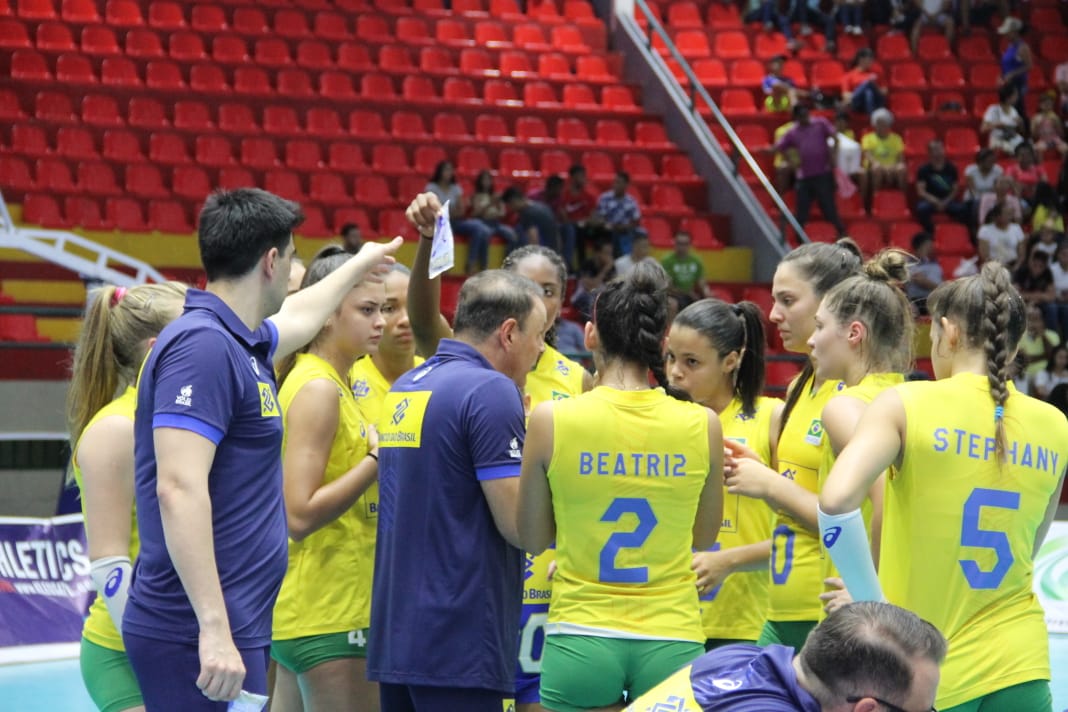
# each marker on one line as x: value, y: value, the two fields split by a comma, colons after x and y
x: 1000, y: 238
x: 849, y: 156
x: 884, y: 156
x: 552, y: 195
x: 938, y: 188
x: 808, y: 13
x: 641, y: 252
x: 1059, y: 269
x: 620, y: 213
x: 785, y: 161
x: 535, y: 221
x: 593, y: 274
x: 764, y: 12
x: 1047, y: 128
x: 1016, y: 60
x: 851, y: 15
x: 1034, y: 281
x: 780, y: 91
x: 685, y: 270
x: 933, y: 12
x: 979, y: 12
x: 1003, y: 122
x: 815, y: 141
x: 979, y: 180
x: 925, y: 274
x: 1060, y: 80
x: 580, y: 209
x: 1037, y: 343
x: 1003, y: 195
x: 443, y: 184
x: 863, y: 86
x: 1046, y: 210
x: 488, y: 207
x: 1026, y: 175
x: 1054, y: 374
x: 351, y: 238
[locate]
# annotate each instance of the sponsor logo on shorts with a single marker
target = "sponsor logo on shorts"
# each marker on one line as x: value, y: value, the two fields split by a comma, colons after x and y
x: 185, y: 396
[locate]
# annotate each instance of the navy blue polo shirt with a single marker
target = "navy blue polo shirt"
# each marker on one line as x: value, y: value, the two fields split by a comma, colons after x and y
x: 208, y: 373
x: 745, y: 678
x: 447, y: 586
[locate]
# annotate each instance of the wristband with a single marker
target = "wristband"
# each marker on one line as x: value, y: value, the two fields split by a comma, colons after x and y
x: 111, y: 576
x: 846, y: 539
x: 373, y: 456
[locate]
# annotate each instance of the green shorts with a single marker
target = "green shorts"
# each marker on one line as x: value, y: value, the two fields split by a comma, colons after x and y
x: 1033, y: 696
x: 108, y: 678
x: 300, y: 655
x: 583, y: 671
x: 713, y: 643
x: 791, y: 633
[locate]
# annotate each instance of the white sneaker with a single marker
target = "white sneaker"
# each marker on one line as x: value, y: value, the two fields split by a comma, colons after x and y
x: 806, y: 30
x: 858, y: 30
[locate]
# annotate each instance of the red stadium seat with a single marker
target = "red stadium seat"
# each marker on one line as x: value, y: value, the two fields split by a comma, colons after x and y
x: 57, y: 36
x: 408, y: 125
x: 572, y: 131
x: 669, y: 199
x: 389, y: 158
x: 123, y: 13
x: 122, y: 147
x: 367, y: 124
x: 531, y: 129
x: 746, y: 73
x: 214, y: 151
x: 229, y: 49
x: 459, y: 89
x: 125, y: 214
x: 515, y: 64
x: 685, y: 15
x: 328, y: 189
x: 40, y: 210
x: 292, y: 24
x: 36, y: 10
x: 651, y: 134
x: 208, y: 18
x: 97, y: 179
x: 946, y: 75
x: 907, y: 75
x: 83, y: 212
x: 711, y: 73
x: 166, y: 15
x: 16, y: 173
x: 426, y: 159
x: 119, y: 72
x: 145, y: 181
x: 579, y: 96
x: 250, y: 21
x: 639, y: 166
x: 71, y: 142
x: 29, y: 65
x: 378, y: 86
x: 258, y: 153
x: 906, y: 105
x: 975, y: 49
x: 953, y: 239
x: 450, y: 127
x: 515, y: 162
x: 208, y: 79
x: 893, y: 48
x: 497, y: 91
x: 294, y: 83
x: 100, y: 111
x: 193, y: 115
x: 554, y: 162
x: 659, y: 231
x: 471, y: 160
x: 731, y: 44
x: 868, y: 236
x: 74, y: 69
x: 169, y: 215
x: 331, y: 26
x: 619, y: 98
x: 599, y: 165
x: 890, y: 205
x: 961, y: 143
x: 701, y: 233
x: 373, y: 28
x: 186, y: 47
x: 235, y: 177
x: 281, y: 121
x: 491, y: 128
x: 190, y: 182
x: 372, y: 191
x: 143, y: 44
x: 284, y: 183
x: 412, y: 30
x: 80, y: 11
x: 677, y: 166
x: 167, y: 148
x: 934, y: 48
x: 147, y: 113
x: 554, y: 65
x: 303, y: 155
x: 345, y: 157
x: 610, y: 132
x: 312, y: 54
x: 272, y: 52
x: 737, y: 102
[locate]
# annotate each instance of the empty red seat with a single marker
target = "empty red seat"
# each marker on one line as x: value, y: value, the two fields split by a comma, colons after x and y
x: 83, y: 212
x: 250, y: 21
x: 294, y: 83
x: 31, y: 140
x: 768, y: 45
x: 491, y: 128
x: 36, y: 9
x: 498, y: 91
x: 946, y: 75
x: 147, y: 113
x: 48, y: 105
x: 531, y: 129
x: 40, y: 210
x: 166, y: 15
x: 438, y: 61
x: 145, y: 181
x: 122, y: 147
x: 29, y: 65
x: 573, y: 131
x: 611, y: 132
x: 916, y: 140
x: 191, y: 182
x: 477, y: 62
x: 470, y: 160
x: 569, y: 38
x: 80, y: 11
x: 539, y: 94
x: 208, y: 18
x: 258, y: 153
x: 100, y: 111
x: 97, y: 179
x: 16, y: 173
x: 167, y: 148
x: 934, y: 48
x: 868, y: 236
x: 669, y: 199
x: 677, y: 166
x: 291, y: 23
x: 737, y: 102
x: 193, y: 115
x: 619, y: 98
x: 975, y: 49
x: 378, y: 86
x: 418, y: 88
x: 208, y: 79
x: 711, y: 73
x: 312, y: 54
x: 599, y: 165
x: 125, y: 214
x: 123, y: 13
x: 746, y: 73
x: 143, y: 44
x: 412, y: 30
x: 389, y: 158
x: 74, y: 69
x: 984, y: 76
x: 408, y: 125
x: 906, y: 104
x: 593, y: 67
x: 329, y: 189
x: 554, y: 162
x: 272, y: 52
x: 72, y: 142
x: 169, y: 215
x: 701, y: 233
x: 515, y: 64
x: 961, y: 142
x: 907, y: 75
x: 953, y: 238
x: 188, y: 47
x: 372, y: 191
x: 579, y: 96
x: 331, y: 26
x: 374, y: 28
x: 119, y: 72
x: 214, y: 151
x: 659, y: 231
x: 336, y: 85
x: 890, y: 205
x: 554, y: 66
x: 323, y: 122
x: 252, y: 80
x: 235, y: 177
x: 229, y: 49
x: 303, y: 155
x: 13, y: 34
x: 345, y: 157
x: 827, y: 73
x: 284, y: 183
x: 56, y: 36
x: 639, y: 166
x: 515, y: 162
x: 281, y: 120
x: 459, y: 89
x: 367, y: 124
x: 684, y: 15
x: 731, y: 44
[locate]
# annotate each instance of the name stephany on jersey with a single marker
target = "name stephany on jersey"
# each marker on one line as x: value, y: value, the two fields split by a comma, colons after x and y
x: 633, y: 464
x: 982, y: 447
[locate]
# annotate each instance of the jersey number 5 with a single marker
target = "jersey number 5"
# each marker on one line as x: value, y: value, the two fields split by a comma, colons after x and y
x: 640, y: 507
x: 971, y: 535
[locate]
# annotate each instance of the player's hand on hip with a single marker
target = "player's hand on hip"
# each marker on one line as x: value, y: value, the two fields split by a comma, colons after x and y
x: 222, y: 671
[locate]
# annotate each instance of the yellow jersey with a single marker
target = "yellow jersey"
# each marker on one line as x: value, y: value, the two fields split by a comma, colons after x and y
x: 626, y: 476
x: 870, y: 386
x: 555, y: 376
x: 327, y: 587
x: 99, y: 628
x: 976, y: 524
x: 886, y: 152
x: 735, y: 609
x: 796, y: 573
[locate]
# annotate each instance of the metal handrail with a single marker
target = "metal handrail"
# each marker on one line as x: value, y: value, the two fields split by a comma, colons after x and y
x: 697, y: 90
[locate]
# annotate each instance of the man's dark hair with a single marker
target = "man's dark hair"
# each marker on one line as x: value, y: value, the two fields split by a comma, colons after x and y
x: 511, y: 193
x: 868, y: 649
x: 920, y: 239
x: 238, y: 226
x: 624, y: 175
x: 348, y: 226
x: 575, y: 169
x: 490, y: 298
x: 554, y: 182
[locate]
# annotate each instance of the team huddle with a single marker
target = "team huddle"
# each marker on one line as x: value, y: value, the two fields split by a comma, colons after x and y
x: 404, y: 514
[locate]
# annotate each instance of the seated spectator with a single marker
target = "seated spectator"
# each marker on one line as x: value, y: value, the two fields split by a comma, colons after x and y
x: 1046, y: 212
x: 685, y: 270
x: 1000, y: 238
x: 851, y: 15
x: 640, y: 252
x: 1054, y: 374
x: 815, y: 141
x: 1037, y: 343
x: 1047, y: 128
x: 763, y: 11
x: 1034, y: 282
x: 980, y: 12
x: 1048, y: 239
x: 780, y: 91
x: 808, y: 13
x: 487, y: 206
x: 938, y: 188
x: 980, y: 179
x: 785, y: 161
x: 1059, y: 270
x: 594, y: 273
x: 552, y: 195
x: 1003, y: 195
x: 1003, y: 122
x: 535, y: 221
x: 620, y: 213
x: 863, y: 86
x: 1026, y: 174
x: 443, y: 184
x: 351, y: 238
x: 933, y: 12
x: 580, y: 209
x: 1060, y: 80
x: 884, y: 156
x: 849, y: 156
x: 1016, y: 60
x: 925, y: 274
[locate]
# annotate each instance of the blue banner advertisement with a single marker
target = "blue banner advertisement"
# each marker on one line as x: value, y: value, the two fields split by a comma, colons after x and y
x: 45, y: 589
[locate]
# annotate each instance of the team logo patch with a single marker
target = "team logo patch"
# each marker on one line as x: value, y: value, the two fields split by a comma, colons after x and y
x: 727, y: 685
x: 399, y: 411
x: 255, y: 365
x: 814, y: 436
x: 360, y: 389
x: 508, y: 705
x: 557, y: 395
x: 268, y: 403
x: 402, y: 419
x: 185, y: 396
x: 514, y: 450
x: 562, y: 367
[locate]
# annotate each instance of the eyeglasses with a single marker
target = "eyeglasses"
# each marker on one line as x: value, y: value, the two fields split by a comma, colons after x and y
x: 884, y: 703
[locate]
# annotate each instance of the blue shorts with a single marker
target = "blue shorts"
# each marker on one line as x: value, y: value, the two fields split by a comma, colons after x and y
x: 167, y: 673
x: 423, y: 698
x: 526, y: 688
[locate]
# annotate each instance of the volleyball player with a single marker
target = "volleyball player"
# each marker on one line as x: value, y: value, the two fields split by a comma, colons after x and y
x: 626, y: 479
x: 716, y: 354
x: 329, y: 461
x: 801, y: 280
x: 979, y: 471
x: 119, y: 327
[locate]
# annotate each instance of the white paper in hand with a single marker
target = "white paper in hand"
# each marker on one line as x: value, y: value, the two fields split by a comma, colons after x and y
x: 248, y: 702
x: 441, y: 250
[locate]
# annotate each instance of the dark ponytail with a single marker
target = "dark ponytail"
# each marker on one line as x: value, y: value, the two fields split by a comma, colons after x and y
x: 631, y: 316
x: 733, y: 327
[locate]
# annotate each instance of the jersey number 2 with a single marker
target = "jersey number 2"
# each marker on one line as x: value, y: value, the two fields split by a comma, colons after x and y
x: 972, y: 535
x: 640, y: 507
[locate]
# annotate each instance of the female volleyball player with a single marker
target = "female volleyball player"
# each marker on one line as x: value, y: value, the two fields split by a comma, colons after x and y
x: 979, y: 470
x: 329, y: 460
x: 626, y: 479
x: 119, y: 327
x: 716, y: 354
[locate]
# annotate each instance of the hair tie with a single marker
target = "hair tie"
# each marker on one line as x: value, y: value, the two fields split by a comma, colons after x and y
x: 117, y: 295
x: 999, y: 413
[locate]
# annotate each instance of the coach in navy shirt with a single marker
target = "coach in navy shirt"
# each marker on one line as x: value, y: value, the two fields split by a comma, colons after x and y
x: 448, y: 573
x: 208, y: 434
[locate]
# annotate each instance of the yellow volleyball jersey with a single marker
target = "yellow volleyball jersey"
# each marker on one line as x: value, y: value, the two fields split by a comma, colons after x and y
x: 870, y: 386
x: 975, y: 525
x: 626, y: 476
x: 555, y: 376
x: 99, y: 628
x: 736, y: 608
x: 796, y: 574
x: 327, y: 587
x: 369, y: 388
